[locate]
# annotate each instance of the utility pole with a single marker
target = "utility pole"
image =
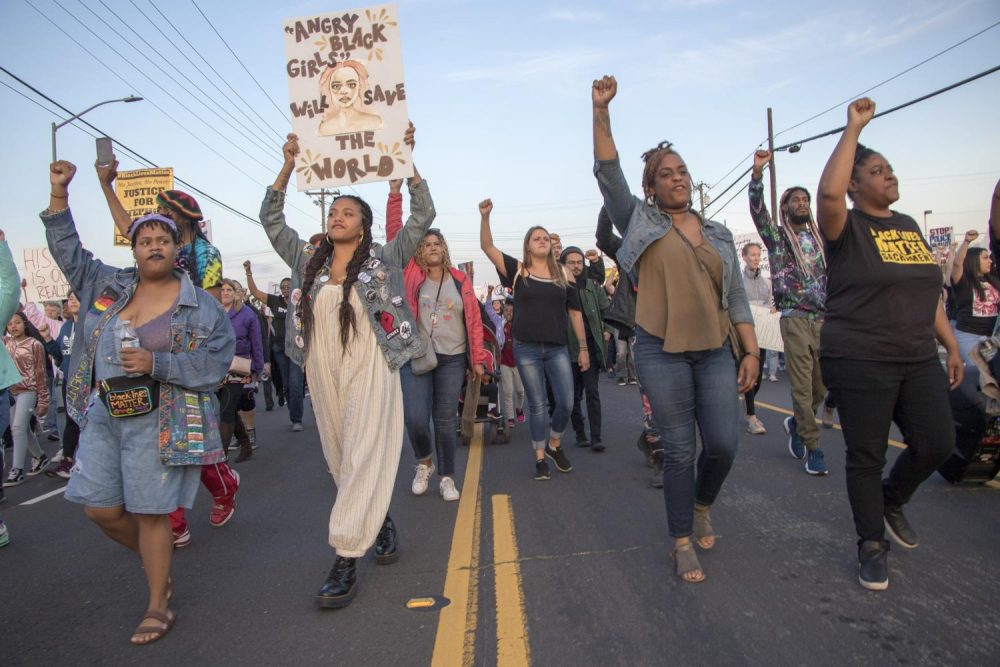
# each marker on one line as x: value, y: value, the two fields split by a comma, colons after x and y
x: 323, y: 194
x: 774, y: 179
x: 703, y: 200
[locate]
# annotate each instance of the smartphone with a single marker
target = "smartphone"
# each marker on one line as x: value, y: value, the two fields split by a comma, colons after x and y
x: 105, y: 151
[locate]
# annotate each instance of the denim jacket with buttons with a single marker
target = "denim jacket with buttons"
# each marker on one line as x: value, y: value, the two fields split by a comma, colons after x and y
x: 202, y: 347
x: 380, y: 285
x: 641, y: 224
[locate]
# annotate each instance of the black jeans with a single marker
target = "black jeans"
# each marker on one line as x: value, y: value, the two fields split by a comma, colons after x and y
x: 587, y: 381
x: 870, y: 395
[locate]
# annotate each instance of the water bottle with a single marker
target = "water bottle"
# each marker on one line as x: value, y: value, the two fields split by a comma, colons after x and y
x: 128, y: 338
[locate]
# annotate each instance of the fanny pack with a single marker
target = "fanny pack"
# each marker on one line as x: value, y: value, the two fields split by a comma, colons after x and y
x: 125, y: 396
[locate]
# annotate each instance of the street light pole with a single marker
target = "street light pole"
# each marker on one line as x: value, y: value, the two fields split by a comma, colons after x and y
x: 130, y: 98
x: 926, y: 213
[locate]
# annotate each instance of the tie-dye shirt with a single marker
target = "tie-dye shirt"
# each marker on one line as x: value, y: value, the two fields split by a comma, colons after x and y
x: 202, y: 261
x: 797, y: 291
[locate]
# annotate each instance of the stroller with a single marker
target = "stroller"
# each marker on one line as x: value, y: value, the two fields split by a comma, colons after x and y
x: 478, y: 395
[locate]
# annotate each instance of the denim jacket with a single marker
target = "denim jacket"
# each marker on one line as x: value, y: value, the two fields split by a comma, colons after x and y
x: 10, y: 291
x: 202, y: 346
x: 380, y: 285
x: 641, y: 224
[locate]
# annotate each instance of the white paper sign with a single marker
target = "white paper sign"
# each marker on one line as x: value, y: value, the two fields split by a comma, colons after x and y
x: 45, y: 281
x: 768, y: 328
x: 347, y: 97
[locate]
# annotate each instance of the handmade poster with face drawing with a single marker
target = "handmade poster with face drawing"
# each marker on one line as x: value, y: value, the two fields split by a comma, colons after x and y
x: 347, y: 97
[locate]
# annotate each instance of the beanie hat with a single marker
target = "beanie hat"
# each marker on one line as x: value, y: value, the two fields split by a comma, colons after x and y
x: 181, y: 202
x: 569, y: 250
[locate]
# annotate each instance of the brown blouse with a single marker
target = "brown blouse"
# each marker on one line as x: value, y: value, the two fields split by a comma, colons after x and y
x: 679, y: 296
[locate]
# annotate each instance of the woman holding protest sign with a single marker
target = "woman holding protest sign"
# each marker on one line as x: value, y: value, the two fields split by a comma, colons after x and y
x: 352, y: 330
x: 878, y: 351
x: 691, y: 314
x: 546, y: 304
x: 146, y: 359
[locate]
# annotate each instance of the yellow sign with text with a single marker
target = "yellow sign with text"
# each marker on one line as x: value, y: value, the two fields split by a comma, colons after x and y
x: 137, y: 192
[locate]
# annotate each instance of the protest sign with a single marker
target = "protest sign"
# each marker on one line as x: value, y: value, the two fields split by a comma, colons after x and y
x: 137, y: 191
x: 347, y: 97
x: 939, y: 237
x: 768, y: 328
x: 45, y: 281
x: 741, y: 240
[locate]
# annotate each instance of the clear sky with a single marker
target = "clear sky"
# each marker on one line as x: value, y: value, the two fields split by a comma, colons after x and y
x: 500, y: 95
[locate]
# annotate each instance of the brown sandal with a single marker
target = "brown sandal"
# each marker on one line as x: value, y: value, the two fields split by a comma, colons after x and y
x: 686, y: 562
x: 703, y: 528
x: 156, y: 631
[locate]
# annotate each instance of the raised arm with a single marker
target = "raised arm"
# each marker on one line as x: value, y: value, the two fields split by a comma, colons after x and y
x: 106, y: 176
x: 618, y: 199
x: 76, y: 263
x: 831, y: 208
x: 394, y: 210
x: 285, y: 240
x: 963, y: 250
x: 762, y: 220
x: 9, y: 281
x: 252, y: 285
x: 399, y: 250
x: 995, y: 212
x: 486, y: 237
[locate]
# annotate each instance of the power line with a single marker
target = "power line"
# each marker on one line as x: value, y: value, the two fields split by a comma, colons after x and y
x: 891, y: 78
x: 841, y: 128
x: 151, y: 102
x: 248, y: 132
x: 155, y: 83
x: 275, y: 104
x: 212, y: 67
x: 134, y: 154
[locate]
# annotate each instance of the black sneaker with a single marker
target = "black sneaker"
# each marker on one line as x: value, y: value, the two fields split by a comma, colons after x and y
x: 899, y: 528
x: 542, y: 470
x: 14, y: 477
x: 558, y: 457
x: 873, y: 565
x: 581, y: 441
x: 596, y: 445
x: 37, y: 465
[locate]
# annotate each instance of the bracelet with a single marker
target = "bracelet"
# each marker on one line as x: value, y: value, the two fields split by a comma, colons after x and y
x: 751, y: 354
x: 55, y: 196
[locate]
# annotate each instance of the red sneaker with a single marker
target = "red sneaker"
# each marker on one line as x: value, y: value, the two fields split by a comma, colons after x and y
x: 182, y: 539
x: 222, y: 513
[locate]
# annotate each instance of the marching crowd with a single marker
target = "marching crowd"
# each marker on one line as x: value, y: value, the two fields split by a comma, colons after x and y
x: 161, y: 363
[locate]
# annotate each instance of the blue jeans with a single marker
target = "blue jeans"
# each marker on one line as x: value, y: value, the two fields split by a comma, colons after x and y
x: 684, y: 389
x: 294, y: 381
x: 434, y: 395
x: 535, y: 361
x: 49, y: 423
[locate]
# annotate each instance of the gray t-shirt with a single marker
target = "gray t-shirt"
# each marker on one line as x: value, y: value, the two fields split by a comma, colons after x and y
x: 449, y: 323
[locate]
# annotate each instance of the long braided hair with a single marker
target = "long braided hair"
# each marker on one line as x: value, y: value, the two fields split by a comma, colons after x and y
x: 323, y: 252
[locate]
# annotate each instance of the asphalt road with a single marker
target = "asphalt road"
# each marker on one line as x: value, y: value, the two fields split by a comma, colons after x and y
x: 577, y: 573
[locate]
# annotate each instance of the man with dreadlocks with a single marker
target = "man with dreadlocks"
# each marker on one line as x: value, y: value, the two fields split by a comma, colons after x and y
x: 352, y: 330
x: 798, y: 282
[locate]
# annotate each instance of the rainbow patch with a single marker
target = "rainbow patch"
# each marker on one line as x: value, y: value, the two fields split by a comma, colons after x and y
x: 103, y: 303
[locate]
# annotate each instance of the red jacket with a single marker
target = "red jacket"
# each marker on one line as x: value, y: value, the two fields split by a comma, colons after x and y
x: 414, y: 277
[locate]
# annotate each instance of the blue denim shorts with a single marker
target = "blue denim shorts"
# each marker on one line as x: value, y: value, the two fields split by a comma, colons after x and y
x: 118, y: 463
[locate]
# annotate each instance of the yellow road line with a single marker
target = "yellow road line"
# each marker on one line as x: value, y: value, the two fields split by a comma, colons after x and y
x: 455, y: 640
x: 512, y: 624
x: 786, y: 411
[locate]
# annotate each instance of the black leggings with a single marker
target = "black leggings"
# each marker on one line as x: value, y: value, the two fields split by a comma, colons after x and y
x: 870, y: 396
x: 71, y: 431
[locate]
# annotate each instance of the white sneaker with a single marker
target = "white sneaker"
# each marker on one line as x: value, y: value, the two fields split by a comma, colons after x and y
x: 420, y: 480
x: 755, y: 426
x: 448, y: 490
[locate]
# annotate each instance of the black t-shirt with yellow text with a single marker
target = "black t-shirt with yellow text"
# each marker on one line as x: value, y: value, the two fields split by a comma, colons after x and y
x: 883, y: 287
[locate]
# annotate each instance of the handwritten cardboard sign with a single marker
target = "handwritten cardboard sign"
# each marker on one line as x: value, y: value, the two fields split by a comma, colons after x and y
x: 767, y: 326
x: 347, y: 97
x: 45, y: 281
x: 137, y: 191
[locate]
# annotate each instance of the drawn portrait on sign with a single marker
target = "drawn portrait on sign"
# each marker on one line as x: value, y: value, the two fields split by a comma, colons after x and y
x: 343, y: 87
